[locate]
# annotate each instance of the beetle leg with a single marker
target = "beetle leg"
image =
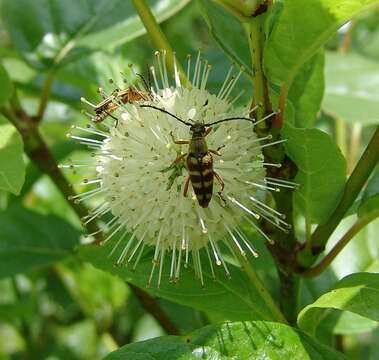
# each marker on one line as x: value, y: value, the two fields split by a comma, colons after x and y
x: 219, y: 180
x: 216, y: 152
x: 186, y: 186
x: 221, y: 197
x: 109, y: 114
x: 207, y: 132
x: 178, y: 142
x: 180, y: 157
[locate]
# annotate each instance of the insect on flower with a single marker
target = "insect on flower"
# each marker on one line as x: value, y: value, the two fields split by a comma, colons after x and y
x: 117, y: 99
x: 127, y: 169
x: 199, y: 158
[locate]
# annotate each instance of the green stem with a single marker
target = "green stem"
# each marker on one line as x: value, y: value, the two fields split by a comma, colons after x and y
x: 266, y: 296
x: 347, y: 40
x: 355, y: 141
x: 244, y: 9
x: 45, y: 94
x: 255, y: 33
x: 258, y: 284
x: 157, y: 36
x: 285, y: 244
x: 236, y: 7
x: 282, y: 105
x: 326, y: 261
x: 152, y: 306
x: 357, y: 179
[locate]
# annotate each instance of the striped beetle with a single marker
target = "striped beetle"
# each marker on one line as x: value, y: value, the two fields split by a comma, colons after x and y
x: 199, y: 158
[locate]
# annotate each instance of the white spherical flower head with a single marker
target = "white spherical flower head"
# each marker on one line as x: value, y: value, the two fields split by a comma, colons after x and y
x: 159, y: 182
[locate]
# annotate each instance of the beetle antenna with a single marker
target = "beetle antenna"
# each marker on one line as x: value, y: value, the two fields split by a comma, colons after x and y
x: 166, y: 112
x: 144, y: 81
x: 229, y: 119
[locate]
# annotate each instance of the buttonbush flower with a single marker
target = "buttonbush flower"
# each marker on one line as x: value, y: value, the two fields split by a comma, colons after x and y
x: 134, y: 170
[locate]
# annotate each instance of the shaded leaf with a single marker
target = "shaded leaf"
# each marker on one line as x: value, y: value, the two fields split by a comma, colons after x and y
x: 29, y: 239
x: 12, y: 173
x: 228, y: 32
x: 17, y: 310
x: 49, y: 32
x: 352, y: 87
x: 370, y: 197
x: 361, y: 254
x: 357, y: 293
x: 322, y: 172
x: 6, y: 87
x: 307, y: 90
x: 233, y: 299
x: 298, y: 34
x: 247, y: 340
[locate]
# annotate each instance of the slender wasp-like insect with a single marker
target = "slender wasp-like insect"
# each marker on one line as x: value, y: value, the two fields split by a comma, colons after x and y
x: 199, y: 158
x: 118, y: 98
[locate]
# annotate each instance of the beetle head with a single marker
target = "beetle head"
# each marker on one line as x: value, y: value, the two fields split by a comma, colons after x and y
x: 197, y: 129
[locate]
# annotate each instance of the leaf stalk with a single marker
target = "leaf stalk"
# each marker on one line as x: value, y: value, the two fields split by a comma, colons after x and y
x: 157, y: 37
x: 327, y: 260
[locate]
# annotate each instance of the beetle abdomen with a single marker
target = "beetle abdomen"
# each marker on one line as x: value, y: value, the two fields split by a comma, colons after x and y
x: 200, y: 168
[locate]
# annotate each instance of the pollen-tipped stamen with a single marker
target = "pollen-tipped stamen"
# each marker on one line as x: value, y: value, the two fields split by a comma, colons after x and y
x: 247, y: 244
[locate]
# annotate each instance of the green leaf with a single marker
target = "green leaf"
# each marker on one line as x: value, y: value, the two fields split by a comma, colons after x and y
x: 370, y: 197
x: 12, y: 173
x: 361, y: 254
x: 15, y: 311
x: 234, y: 299
x: 322, y: 172
x: 374, y: 346
x: 337, y: 322
x: 239, y: 340
x: 6, y: 86
x: 29, y: 240
x: 307, y: 90
x: 228, y: 32
x: 352, y: 87
x: 357, y: 293
x: 298, y: 34
x: 48, y: 32
x: 30, y: 81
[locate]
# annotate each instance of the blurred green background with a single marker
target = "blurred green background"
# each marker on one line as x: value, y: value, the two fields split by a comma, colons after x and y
x: 70, y: 310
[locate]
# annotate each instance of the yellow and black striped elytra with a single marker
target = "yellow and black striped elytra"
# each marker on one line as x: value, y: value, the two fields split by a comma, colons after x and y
x: 199, y: 159
x: 199, y: 165
x: 200, y: 169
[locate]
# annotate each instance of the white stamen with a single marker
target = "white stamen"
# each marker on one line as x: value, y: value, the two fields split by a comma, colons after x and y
x: 246, y: 242
x: 266, y: 206
x: 172, y: 270
x: 235, y: 240
x: 163, y: 253
x: 210, y: 263
x: 243, y: 207
x: 136, y: 248
x: 219, y: 95
x: 215, y: 254
x: 188, y: 65
x: 259, y: 230
x: 138, y: 257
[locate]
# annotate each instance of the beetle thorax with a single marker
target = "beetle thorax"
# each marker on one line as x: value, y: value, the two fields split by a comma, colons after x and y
x: 198, y: 145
